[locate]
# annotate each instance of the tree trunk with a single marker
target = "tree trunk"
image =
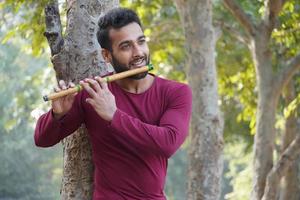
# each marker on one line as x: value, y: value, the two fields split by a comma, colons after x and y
x: 265, y: 117
x: 205, y: 151
x: 290, y: 183
x: 280, y: 168
x: 268, y: 97
x: 74, y: 57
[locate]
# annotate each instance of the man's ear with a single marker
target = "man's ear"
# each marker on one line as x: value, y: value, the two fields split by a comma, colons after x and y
x: 106, y: 55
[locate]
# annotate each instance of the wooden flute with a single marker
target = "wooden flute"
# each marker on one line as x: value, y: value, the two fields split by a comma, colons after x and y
x: 110, y: 78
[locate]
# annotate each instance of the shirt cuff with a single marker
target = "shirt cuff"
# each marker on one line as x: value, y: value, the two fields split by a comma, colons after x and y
x: 54, y: 119
x: 116, y: 120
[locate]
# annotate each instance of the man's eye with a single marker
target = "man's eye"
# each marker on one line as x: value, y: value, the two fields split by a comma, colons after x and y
x: 125, y: 46
x: 142, y: 41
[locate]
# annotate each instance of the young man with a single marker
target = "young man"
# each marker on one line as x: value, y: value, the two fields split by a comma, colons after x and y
x: 134, y: 124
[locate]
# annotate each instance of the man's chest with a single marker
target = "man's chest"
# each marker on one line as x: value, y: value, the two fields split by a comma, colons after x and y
x: 147, y: 108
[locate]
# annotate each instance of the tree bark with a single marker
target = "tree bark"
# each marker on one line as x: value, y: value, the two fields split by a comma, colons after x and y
x: 75, y: 57
x: 205, y: 150
x: 290, y: 183
x: 285, y: 161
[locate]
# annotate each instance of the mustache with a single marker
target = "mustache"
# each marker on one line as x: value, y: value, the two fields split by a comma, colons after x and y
x: 143, y: 58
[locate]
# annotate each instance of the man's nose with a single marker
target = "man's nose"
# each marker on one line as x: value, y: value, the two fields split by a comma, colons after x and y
x: 137, y: 50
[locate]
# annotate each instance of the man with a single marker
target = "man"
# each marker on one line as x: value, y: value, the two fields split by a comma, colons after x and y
x: 134, y: 124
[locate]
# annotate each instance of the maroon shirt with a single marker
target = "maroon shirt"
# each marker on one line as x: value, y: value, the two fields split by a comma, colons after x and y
x: 131, y: 152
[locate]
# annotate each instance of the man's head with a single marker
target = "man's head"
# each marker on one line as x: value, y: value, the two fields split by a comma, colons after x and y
x: 122, y: 40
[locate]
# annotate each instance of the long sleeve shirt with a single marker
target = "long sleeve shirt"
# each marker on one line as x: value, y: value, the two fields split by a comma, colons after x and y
x: 131, y: 152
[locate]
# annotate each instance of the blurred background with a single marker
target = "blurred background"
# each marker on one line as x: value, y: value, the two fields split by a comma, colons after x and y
x: 28, y: 172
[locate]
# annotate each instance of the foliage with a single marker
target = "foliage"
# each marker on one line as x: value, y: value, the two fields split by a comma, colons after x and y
x: 240, y: 171
x: 237, y: 87
x: 24, y: 19
x: 286, y: 36
x: 26, y: 172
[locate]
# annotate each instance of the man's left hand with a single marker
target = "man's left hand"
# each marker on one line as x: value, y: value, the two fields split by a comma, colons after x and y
x: 101, y: 99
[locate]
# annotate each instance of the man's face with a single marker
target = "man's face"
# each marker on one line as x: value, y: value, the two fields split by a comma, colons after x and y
x: 129, y: 49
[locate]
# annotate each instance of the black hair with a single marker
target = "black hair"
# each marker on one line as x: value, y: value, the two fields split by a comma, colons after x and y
x: 116, y: 19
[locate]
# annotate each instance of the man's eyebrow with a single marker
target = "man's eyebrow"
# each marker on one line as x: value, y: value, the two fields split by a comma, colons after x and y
x: 129, y: 41
x: 141, y: 37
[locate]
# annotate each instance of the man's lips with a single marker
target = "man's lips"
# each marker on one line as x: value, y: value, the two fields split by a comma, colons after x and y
x: 138, y: 63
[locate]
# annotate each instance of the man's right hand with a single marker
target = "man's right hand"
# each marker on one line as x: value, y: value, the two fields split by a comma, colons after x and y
x: 62, y: 105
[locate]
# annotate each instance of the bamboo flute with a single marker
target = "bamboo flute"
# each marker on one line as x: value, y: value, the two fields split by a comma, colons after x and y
x: 110, y: 78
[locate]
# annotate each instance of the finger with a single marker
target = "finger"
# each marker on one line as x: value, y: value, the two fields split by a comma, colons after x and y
x: 102, y: 83
x: 86, y: 86
x: 94, y: 84
x: 62, y: 84
x: 56, y: 89
x: 71, y: 84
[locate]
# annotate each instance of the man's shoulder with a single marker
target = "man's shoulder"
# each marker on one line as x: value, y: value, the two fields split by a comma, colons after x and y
x: 173, y: 91
x: 168, y: 84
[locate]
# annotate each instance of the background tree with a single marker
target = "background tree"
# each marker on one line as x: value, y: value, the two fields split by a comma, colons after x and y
x: 272, y: 76
x: 290, y: 183
x: 205, y: 151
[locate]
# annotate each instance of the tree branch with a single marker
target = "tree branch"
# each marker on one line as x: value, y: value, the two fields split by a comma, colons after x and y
x: 283, y: 164
x: 273, y: 7
x: 285, y: 75
x: 235, y: 33
x: 53, y: 31
x: 241, y: 16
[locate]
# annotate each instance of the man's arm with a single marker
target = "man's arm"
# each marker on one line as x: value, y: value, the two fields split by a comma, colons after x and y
x: 50, y: 130
x: 165, y: 138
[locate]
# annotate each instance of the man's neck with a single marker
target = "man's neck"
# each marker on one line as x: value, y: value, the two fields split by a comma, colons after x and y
x: 136, y: 86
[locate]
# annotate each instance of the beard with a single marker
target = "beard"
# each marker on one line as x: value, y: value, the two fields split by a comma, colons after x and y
x: 119, y: 67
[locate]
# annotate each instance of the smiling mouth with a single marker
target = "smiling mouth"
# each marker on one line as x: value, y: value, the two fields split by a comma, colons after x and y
x: 138, y: 63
